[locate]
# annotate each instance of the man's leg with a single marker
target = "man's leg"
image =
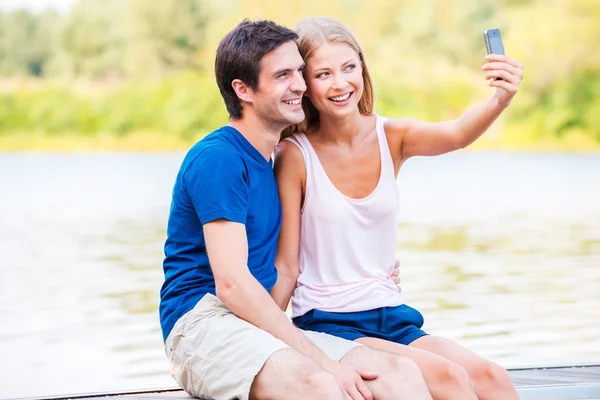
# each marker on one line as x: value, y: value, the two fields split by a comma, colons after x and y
x: 398, y: 378
x: 216, y: 355
x: 291, y: 375
x: 490, y: 380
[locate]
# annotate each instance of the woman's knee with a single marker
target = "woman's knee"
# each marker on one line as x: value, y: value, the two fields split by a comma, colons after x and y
x: 492, y: 377
x: 449, y: 373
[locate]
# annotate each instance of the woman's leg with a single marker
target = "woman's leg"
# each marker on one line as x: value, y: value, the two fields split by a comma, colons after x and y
x: 445, y: 379
x: 490, y: 381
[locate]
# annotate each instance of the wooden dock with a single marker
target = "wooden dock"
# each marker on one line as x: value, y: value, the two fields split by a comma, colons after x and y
x: 535, y: 383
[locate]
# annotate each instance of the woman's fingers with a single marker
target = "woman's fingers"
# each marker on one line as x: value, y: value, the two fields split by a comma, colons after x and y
x: 504, y: 75
x: 493, y: 66
x: 504, y: 59
x: 509, y: 87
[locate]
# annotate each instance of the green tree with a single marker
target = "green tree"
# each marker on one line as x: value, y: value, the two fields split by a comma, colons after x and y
x: 92, y: 38
x: 163, y: 36
x: 27, y: 42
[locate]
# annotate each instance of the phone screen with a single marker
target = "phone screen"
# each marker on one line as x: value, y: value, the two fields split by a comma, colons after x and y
x: 494, y: 41
x: 496, y: 46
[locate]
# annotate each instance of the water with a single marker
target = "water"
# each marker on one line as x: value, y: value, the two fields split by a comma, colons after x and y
x: 500, y: 252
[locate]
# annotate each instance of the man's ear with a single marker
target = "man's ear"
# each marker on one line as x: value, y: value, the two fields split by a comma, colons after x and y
x: 242, y: 90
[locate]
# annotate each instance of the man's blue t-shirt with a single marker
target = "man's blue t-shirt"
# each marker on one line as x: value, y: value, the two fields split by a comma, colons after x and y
x: 222, y: 176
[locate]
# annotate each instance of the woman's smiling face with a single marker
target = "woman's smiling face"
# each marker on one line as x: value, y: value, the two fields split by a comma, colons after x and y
x: 334, y: 79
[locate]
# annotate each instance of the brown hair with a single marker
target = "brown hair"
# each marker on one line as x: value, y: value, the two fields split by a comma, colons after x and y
x: 314, y: 32
x: 239, y: 56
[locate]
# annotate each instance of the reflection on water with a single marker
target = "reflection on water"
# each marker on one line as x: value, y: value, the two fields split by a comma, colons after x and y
x: 500, y: 252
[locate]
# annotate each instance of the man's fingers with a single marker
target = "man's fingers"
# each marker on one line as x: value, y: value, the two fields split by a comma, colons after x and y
x: 366, y: 374
x: 364, y: 390
x: 355, y: 394
x: 396, y: 273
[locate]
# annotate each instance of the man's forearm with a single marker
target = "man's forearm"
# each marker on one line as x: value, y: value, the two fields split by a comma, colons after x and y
x: 247, y: 299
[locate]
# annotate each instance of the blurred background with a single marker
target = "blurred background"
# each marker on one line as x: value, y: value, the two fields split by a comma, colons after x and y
x: 99, y: 99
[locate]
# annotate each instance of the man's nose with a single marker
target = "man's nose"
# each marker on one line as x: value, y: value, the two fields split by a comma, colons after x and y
x: 298, y: 84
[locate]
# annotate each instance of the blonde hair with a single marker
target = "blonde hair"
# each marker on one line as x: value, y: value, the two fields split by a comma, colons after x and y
x: 313, y: 33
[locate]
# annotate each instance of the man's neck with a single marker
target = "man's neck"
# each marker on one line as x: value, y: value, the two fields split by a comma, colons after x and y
x: 261, y: 136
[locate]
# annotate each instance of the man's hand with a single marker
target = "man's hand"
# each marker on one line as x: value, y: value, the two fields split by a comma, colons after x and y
x: 351, y: 379
x: 396, y: 274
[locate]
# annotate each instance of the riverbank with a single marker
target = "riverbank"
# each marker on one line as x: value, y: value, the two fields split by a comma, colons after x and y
x: 136, y: 142
x: 154, y: 141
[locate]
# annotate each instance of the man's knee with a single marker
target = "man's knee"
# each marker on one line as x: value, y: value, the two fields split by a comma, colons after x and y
x: 403, y: 365
x: 290, y: 374
x: 389, y: 367
x: 401, y: 368
x: 402, y: 378
x: 386, y: 363
x: 310, y: 381
x: 320, y: 384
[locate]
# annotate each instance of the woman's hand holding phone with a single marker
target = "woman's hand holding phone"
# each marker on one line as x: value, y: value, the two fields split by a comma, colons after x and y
x: 509, y: 71
x: 503, y: 72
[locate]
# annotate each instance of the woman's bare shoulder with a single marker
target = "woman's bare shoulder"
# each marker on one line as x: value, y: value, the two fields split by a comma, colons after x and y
x: 288, y: 153
x: 398, y: 126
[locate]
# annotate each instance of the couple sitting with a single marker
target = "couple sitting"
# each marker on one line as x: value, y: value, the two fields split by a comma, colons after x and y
x: 320, y: 227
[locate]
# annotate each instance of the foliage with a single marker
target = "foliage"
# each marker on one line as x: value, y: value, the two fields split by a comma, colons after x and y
x: 121, y: 67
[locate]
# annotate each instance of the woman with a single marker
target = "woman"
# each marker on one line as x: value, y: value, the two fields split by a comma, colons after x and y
x: 336, y: 177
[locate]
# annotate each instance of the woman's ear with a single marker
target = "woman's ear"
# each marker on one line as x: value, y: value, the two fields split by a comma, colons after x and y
x: 242, y: 90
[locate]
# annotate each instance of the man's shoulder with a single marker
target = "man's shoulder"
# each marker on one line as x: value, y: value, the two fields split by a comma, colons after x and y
x: 214, y: 148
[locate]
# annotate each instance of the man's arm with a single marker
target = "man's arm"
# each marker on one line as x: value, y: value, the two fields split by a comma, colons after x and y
x: 227, y: 248
x: 221, y: 200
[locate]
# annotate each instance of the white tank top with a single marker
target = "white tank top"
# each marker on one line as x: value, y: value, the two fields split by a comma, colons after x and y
x: 347, y: 246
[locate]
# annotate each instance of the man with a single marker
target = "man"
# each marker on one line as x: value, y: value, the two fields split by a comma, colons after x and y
x: 225, y: 336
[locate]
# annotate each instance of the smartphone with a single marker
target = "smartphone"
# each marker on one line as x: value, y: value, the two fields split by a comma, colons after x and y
x: 493, y: 41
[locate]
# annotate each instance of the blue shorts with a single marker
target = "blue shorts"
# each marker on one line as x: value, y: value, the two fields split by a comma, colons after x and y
x: 400, y: 324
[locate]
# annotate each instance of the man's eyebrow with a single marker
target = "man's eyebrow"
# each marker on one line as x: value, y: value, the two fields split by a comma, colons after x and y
x: 281, y: 71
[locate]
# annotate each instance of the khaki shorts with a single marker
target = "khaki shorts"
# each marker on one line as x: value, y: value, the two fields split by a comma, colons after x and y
x: 216, y: 355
